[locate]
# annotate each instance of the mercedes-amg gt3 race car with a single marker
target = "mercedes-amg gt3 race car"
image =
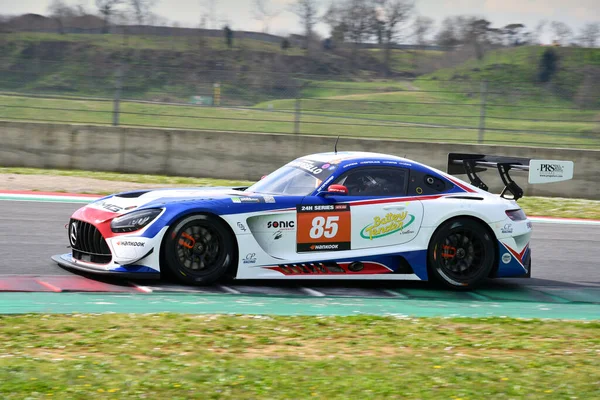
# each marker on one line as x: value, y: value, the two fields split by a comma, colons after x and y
x: 339, y: 215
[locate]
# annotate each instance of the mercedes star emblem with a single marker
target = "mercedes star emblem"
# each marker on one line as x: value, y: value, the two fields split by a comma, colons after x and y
x: 73, y: 234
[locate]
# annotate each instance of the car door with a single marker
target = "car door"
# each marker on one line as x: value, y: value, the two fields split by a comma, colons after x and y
x: 275, y: 231
x: 375, y: 213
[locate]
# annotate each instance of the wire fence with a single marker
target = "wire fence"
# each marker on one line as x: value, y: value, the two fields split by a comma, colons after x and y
x: 449, y: 110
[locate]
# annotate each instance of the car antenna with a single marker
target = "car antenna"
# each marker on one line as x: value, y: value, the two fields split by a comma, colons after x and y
x: 335, y: 146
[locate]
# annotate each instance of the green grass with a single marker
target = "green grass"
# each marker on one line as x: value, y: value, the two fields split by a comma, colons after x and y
x: 409, y: 60
x: 361, y: 115
x: 534, y: 206
x: 331, y: 88
x: 247, y: 357
x: 561, y: 207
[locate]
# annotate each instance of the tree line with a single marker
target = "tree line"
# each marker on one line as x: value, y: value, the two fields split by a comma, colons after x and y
x: 387, y: 22
x: 353, y: 23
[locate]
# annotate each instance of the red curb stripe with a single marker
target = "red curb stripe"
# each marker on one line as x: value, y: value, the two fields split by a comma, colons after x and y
x: 62, y: 284
x: 34, y: 193
x: 21, y: 284
x: 49, y: 286
x: 139, y: 288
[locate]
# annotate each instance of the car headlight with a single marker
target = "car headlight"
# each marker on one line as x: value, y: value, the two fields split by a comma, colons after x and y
x: 134, y: 221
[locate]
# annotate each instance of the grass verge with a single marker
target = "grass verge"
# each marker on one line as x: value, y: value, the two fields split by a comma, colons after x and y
x: 246, y: 357
x: 542, y: 206
x: 561, y: 207
x: 405, y: 115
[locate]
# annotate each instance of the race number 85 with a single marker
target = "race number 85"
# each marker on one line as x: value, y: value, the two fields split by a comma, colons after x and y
x: 324, y: 226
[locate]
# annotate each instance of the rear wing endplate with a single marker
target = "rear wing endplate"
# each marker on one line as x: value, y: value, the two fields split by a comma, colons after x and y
x: 540, y: 171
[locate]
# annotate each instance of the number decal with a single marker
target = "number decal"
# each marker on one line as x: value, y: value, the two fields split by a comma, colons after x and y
x: 331, y: 227
x: 317, y: 228
x: 323, y: 227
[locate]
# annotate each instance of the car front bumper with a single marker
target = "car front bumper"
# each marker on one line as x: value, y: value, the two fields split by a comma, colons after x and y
x: 137, y: 272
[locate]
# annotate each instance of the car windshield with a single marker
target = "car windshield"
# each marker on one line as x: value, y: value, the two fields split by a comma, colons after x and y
x: 298, y: 178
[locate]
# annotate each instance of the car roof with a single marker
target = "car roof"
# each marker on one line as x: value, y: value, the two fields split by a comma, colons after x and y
x: 348, y: 156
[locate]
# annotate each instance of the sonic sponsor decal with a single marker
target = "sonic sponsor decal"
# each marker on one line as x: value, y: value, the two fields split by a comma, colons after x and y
x: 387, y: 225
x: 281, y: 225
x: 506, y: 257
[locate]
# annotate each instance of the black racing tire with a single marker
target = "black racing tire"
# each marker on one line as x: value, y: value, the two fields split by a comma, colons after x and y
x: 198, y: 249
x: 461, y: 254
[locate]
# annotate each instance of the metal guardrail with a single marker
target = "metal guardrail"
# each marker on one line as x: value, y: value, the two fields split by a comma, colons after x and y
x: 451, y: 110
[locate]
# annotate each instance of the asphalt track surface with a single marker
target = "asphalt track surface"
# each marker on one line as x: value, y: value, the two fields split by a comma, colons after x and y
x: 564, y: 255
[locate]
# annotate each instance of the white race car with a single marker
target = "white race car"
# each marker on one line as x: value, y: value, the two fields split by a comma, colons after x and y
x: 339, y: 215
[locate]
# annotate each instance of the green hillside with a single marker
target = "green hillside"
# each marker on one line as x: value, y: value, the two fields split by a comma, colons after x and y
x: 514, y: 74
x: 174, y: 68
x: 264, y: 89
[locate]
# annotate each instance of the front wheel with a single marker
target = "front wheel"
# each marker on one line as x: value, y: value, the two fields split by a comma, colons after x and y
x: 461, y: 253
x: 198, y: 249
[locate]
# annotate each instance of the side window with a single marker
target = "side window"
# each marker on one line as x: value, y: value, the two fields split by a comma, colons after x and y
x: 375, y: 181
x: 422, y: 183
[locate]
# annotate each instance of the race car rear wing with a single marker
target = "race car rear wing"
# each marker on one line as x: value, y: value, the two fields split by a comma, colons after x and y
x: 540, y: 171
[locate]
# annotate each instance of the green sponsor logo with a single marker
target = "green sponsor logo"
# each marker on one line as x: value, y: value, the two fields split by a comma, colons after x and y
x: 390, y: 223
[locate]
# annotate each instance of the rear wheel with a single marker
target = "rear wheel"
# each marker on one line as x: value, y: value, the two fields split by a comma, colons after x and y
x: 198, y: 249
x: 461, y: 253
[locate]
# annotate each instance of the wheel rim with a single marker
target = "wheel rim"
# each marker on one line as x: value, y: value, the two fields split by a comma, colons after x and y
x: 198, y: 248
x: 460, y: 255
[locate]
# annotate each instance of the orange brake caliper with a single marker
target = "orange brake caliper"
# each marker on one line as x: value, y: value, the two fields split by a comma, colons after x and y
x: 187, y: 241
x: 448, y: 251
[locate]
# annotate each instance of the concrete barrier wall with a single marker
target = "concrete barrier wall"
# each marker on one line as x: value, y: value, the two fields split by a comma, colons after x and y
x: 247, y: 155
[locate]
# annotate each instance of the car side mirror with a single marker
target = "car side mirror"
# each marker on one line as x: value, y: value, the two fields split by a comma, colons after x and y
x: 335, y: 190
